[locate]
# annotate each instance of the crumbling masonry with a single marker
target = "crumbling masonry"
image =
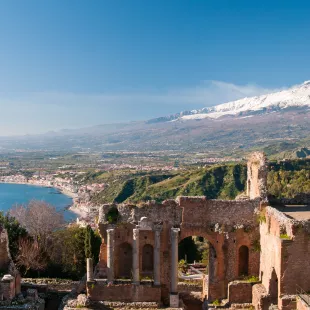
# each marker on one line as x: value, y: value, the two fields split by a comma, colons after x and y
x: 246, y: 237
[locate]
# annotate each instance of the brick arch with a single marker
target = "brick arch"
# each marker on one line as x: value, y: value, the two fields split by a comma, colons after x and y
x: 185, y: 233
x: 243, y: 260
x: 216, y: 273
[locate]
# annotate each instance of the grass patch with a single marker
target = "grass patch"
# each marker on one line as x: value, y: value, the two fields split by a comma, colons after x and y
x: 285, y: 237
x: 252, y: 279
x: 216, y: 302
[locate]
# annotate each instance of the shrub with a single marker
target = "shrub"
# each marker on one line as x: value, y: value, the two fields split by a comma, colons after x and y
x: 112, y: 215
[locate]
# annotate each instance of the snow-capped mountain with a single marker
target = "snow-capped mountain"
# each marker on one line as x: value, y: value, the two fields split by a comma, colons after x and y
x: 295, y: 97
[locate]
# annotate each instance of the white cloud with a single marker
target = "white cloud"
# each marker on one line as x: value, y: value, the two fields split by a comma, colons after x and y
x: 39, y: 112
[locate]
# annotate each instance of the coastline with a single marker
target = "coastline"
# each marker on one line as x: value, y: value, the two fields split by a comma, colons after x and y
x: 63, y: 191
x: 80, y: 213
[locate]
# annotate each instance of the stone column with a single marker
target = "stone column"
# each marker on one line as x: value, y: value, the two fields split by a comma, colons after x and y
x: 157, y: 257
x: 110, y: 255
x: 174, y: 296
x: 135, y: 258
x: 90, y: 269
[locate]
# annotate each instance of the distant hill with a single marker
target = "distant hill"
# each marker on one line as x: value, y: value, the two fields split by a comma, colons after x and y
x: 299, y: 153
x: 274, y: 123
x: 219, y: 181
x: 285, y: 179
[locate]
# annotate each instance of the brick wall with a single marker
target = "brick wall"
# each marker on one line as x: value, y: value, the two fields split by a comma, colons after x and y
x: 124, y: 293
x: 240, y: 292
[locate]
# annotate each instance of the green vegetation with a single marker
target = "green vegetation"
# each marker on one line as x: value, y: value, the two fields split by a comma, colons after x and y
x: 223, y: 181
x: 256, y: 245
x: 261, y: 217
x: 216, y: 302
x: 287, y: 184
x: 251, y: 279
x: 71, y: 247
x: 219, y: 181
x: 285, y: 237
x: 15, y: 232
x: 183, y: 265
x: 112, y: 215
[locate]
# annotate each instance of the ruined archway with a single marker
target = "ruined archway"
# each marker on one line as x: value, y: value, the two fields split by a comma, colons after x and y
x: 147, y: 259
x: 273, y: 287
x: 124, y: 260
x: 243, y: 261
x: 193, y: 270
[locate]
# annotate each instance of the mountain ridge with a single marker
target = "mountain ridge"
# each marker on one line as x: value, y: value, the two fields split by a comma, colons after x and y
x: 294, y: 97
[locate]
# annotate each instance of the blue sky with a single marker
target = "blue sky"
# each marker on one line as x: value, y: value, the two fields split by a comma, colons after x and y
x: 68, y: 64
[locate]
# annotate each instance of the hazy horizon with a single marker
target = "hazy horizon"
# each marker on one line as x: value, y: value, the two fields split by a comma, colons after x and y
x: 78, y: 64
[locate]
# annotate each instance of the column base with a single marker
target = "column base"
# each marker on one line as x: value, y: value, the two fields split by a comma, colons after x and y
x: 174, y: 300
x: 156, y: 283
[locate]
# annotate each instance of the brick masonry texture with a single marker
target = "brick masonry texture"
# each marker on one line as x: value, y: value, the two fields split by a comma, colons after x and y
x: 240, y: 292
x: 123, y: 293
x: 277, y: 247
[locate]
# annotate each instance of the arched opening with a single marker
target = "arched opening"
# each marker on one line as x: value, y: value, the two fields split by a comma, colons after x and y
x: 249, y: 187
x: 191, y: 249
x: 147, y: 258
x: 273, y: 287
x: 243, y: 262
x: 124, y: 260
x: 193, y: 268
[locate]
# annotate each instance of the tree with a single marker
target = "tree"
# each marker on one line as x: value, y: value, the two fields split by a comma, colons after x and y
x: 30, y: 256
x: 39, y: 219
x: 15, y: 233
x: 70, y: 248
x: 92, y: 244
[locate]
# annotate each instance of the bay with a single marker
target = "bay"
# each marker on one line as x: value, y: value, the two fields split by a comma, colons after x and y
x: 17, y: 194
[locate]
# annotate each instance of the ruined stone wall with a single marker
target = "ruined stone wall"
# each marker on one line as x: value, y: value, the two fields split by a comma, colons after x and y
x: 124, y: 293
x: 270, y: 243
x: 10, y: 282
x: 284, y: 262
x: 166, y: 212
x: 227, y: 225
x: 295, y: 260
x: 240, y: 292
x: 257, y: 176
x: 200, y: 211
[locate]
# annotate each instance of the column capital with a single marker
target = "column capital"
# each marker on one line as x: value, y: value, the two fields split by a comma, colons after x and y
x: 157, y: 228
x: 175, y: 233
x: 135, y: 233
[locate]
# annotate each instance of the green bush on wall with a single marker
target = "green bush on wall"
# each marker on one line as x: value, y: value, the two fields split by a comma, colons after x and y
x: 112, y: 215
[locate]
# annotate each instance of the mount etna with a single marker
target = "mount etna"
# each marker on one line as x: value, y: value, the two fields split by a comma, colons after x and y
x: 274, y: 123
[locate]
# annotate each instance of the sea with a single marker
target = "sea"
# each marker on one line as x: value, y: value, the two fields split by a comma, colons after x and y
x: 20, y: 194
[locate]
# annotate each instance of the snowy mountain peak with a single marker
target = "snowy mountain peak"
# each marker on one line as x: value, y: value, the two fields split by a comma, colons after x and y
x: 294, y: 97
